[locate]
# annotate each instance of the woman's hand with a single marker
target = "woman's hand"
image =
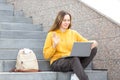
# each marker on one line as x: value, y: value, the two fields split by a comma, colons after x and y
x: 94, y: 44
x: 55, y: 39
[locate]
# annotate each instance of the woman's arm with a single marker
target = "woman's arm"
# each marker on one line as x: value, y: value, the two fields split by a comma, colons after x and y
x: 50, y: 45
x: 82, y: 39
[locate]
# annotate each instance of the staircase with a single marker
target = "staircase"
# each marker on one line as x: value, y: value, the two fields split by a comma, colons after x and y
x: 16, y: 32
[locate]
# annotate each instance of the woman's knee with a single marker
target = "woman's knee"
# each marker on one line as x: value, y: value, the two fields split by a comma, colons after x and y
x: 75, y: 61
x: 94, y: 49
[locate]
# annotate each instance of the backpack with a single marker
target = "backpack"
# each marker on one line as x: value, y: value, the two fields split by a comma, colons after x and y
x: 26, y: 61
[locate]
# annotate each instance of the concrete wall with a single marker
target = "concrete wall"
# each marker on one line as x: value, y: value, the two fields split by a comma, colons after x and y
x: 109, y: 8
x: 86, y: 21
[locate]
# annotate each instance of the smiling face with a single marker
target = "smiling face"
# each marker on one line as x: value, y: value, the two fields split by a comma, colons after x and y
x: 62, y: 21
x: 65, y: 22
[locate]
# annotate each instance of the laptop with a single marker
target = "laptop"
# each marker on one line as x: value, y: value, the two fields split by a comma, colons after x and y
x: 82, y: 49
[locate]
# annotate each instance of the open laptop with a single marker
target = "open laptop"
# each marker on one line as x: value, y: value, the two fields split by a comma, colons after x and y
x: 82, y: 49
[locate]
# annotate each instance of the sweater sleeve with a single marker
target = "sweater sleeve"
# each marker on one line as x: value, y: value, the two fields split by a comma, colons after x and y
x: 48, y: 50
x: 80, y: 37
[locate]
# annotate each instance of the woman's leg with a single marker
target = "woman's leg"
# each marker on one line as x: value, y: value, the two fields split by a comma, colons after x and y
x: 86, y: 60
x: 78, y: 69
x: 61, y: 65
x: 70, y: 64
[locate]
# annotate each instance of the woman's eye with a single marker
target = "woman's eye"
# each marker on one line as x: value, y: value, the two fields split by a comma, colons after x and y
x: 66, y: 20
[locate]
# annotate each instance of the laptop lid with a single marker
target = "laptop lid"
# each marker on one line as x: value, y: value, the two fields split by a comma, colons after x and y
x: 82, y: 49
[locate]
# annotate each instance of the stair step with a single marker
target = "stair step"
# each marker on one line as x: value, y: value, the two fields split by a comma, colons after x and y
x: 49, y: 75
x: 11, y: 54
x: 20, y: 26
x: 2, y: 1
x: 15, y: 34
x: 6, y: 12
x: 18, y: 13
x: 28, y: 76
x: 15, y: 19
x: 21, y: 43
x: 7, y: 65
x: 6, y: 7
x: 8, y: 58
x: 95, y: 75
x: 11, y: 13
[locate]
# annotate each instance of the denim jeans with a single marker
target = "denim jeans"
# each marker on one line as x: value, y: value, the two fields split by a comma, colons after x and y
x: 75, y: 64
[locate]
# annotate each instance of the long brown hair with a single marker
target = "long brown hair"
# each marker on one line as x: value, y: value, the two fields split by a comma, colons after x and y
x: 59, y: 20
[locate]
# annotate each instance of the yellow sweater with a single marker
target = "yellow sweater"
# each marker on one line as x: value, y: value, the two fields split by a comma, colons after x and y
x: 64, y: 46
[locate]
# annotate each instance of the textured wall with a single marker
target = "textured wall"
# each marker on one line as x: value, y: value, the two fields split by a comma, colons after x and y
x: 86, y: 21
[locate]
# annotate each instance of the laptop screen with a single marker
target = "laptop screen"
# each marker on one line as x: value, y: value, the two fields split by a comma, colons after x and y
x: 82, y: 49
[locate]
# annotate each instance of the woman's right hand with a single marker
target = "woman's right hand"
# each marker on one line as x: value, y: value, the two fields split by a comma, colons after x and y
x: 55, y: 39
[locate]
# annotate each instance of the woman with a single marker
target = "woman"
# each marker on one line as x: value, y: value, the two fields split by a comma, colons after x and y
x: 58, y: 45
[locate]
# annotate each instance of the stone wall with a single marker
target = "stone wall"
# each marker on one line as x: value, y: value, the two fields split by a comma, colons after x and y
x: 86, y: 21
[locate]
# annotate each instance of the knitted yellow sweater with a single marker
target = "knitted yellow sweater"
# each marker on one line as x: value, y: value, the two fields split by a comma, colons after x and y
x: 64, y: 46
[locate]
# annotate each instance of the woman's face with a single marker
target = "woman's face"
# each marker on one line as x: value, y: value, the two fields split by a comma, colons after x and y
x: 66, y: 22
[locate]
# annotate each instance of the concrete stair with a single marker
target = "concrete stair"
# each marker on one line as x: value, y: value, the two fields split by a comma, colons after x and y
x: 2, y: 1
x: 11, y: 13
x: 7, y: 7
x: 13, y: 34
x: 93, y: 75
x: 7, y: 12
x: 18, y: 19
x: 20, y: 26
x: 18, y: 32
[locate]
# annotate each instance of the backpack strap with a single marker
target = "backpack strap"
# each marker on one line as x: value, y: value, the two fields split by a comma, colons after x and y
x: 29, y: 70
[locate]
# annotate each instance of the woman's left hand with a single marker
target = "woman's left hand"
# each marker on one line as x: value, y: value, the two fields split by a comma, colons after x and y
x: 94, y: 44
